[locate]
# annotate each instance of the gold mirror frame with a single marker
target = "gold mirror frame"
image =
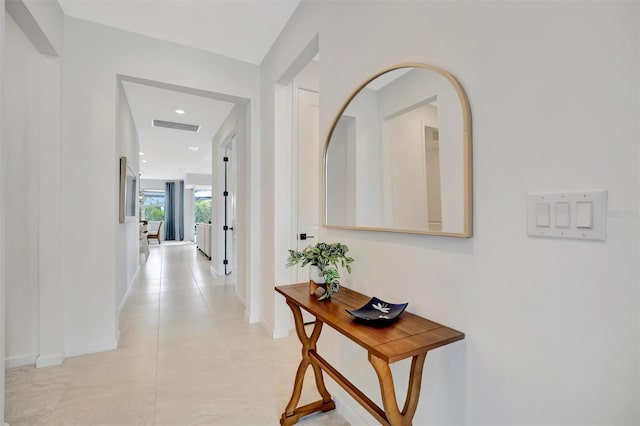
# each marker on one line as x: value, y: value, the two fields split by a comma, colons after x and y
x: 467, y: 156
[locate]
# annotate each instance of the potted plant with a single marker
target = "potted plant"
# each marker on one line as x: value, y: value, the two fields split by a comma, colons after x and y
x: 324, y: 260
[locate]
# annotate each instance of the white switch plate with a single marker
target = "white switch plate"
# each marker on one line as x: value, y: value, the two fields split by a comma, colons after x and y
x: 598, y: 200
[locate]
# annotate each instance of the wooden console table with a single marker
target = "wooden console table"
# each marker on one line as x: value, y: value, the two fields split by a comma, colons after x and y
x: 409, y: 336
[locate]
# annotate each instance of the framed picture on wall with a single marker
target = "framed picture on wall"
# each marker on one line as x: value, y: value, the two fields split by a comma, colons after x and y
x: 128, y: 191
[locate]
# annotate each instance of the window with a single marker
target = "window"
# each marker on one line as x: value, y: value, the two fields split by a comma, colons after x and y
x: 202, y: 206
x: 153, y: 206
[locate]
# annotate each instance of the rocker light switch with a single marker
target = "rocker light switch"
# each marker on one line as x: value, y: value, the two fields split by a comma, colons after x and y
x: 584, y: 214
x: 542, y: 215
x: 563, y: 219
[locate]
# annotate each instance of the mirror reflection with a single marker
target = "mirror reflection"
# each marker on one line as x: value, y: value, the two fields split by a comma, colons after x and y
x: 398, y: 156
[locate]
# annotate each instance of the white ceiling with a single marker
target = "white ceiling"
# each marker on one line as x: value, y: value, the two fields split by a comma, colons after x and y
x: 166, y: 151
x: 240, y: 29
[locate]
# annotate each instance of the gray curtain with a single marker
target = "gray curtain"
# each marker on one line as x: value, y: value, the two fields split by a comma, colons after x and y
x: 181, y: 211
x: 169, y: 211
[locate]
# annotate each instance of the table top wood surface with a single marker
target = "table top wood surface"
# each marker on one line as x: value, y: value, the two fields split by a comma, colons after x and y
x: 409, y: 335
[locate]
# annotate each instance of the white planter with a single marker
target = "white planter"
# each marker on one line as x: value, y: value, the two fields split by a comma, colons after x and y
x: 315, y: 275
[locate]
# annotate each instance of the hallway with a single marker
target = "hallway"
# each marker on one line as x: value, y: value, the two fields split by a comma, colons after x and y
x: 186, y: 356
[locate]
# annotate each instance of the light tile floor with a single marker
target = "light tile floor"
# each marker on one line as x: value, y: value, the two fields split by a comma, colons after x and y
x: 186, y: 356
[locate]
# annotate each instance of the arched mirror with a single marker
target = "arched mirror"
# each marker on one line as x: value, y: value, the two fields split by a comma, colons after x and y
x: 398, y: 156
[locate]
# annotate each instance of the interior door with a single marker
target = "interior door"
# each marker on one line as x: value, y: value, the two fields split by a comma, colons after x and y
x: 308, y: 157
x: 229, y: 209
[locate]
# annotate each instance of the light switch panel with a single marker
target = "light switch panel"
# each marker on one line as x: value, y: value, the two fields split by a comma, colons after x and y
x: 580, y: 215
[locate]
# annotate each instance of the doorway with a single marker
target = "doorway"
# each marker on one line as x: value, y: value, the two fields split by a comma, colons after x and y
x: 306, y: 168
x: 295, y: 97
x: 307, y: 182
x: 223, y: 120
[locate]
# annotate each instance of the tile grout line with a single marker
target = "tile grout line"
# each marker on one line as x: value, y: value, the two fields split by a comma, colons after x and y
x: 155, y: 388
x: 193, y: 277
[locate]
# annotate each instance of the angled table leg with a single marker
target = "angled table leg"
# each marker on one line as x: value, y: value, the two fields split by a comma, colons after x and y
x: 292, y: 413
x: 389, y: 400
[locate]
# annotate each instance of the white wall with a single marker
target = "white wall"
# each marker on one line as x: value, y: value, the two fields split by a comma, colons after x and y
x: 405, y: 166
x: 94, y: 56
x: 340, y: 174
x: 197, y: 179
x: 41, y: 20
x: 189, y: 215
x: 127, y: 233
x: 364, y: 157
x: 192, y: 182
x: 415, y: 87
x: 552, y: 325
x: 3, y: 234
x: 22, y: 115
x: 33, y: 109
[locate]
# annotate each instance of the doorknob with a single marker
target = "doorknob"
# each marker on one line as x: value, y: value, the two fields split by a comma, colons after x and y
x: 304, y: 236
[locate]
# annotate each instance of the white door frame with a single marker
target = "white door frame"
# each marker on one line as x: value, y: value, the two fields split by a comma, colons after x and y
x: 285, y: 202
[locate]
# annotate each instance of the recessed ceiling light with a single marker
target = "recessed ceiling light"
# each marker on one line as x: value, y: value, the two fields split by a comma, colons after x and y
x: 144, y: 161
x: 141, y: 153
x: 194, y: 148
x: 180, y: 111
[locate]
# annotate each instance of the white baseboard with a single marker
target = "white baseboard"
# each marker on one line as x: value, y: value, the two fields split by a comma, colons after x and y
x: 20, y: 360
x: 94, y: 347
x: 128, y: 292
x: 49, y: 360
x: 102, y: 346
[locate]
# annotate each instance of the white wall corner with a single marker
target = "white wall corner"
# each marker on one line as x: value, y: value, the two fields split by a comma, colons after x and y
x: 242, y: 301
x: 275, y: 333
x: 349, y: 409
x: 280, y: 333
x: 213, y: 271
x: 3, y: 234
x: 252, y: 317
x: 49, y: 360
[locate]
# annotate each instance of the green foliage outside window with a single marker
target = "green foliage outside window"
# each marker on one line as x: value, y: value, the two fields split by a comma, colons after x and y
x: 153, y: 213
x: 203, y: 211
x: 152, y: 208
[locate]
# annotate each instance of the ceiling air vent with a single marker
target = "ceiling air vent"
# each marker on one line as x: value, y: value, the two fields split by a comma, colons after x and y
x: 177, y: 126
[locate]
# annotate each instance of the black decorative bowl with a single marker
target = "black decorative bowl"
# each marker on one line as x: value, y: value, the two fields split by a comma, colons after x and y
x: 378, y: 312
